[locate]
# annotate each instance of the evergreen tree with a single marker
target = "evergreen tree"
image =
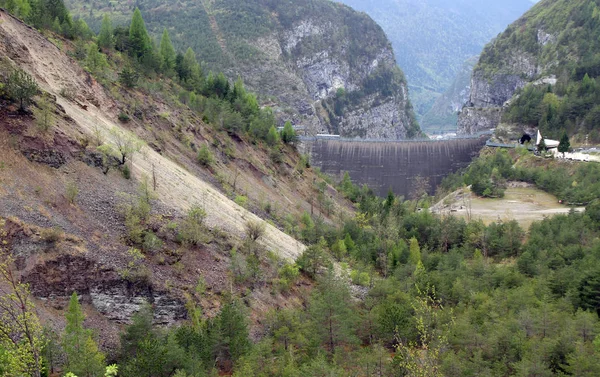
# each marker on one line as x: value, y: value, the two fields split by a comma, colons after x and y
x: 105, y: 37
x: 272, y: 137
x: 414, y: 252
x: 234, y: 330
x: 564, y: 144
x: 331, y: 311
x: 139, y: 40
x: 83, y: 357
x: 128, y: 77
x: 167, y: 53
x: 288, y: 135
x: 21, y: 87
x: 96, y: 61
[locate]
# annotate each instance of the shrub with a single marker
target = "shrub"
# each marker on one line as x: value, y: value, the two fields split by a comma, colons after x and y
x: 205, y: 156
x: 52, y: 235
x: 254, y: 229
x: 151, y: 242
x: 288, y: 135
x: 192, y: 229
x: 288, y: 274
x: 71, y: 192
x: 126, y: 171
x: 241, y: 200
x: 123, y: 117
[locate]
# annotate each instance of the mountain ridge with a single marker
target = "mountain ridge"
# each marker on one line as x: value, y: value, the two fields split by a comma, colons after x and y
x: 320, y: 64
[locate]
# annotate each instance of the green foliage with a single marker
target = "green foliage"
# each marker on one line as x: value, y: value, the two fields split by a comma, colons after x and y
x: 21, y: 336
x: 193, y: 230
x: 129, y: 77
x: 21, y: 87
x: 105, y: 37
x: 96, y: 61
x: 241, y: 200
x: 167, y: 53
x: 272, y: 136
x: 330, y: 309
x: 205, y: 156
x: 288, y: 135
x: 140, y: 44
x: 44, y: 114
x: 565, y: 144
x: 82, y: 355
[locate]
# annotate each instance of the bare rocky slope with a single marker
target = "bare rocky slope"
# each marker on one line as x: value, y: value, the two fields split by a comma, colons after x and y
x: 318, y: 63
x: 64, y: 244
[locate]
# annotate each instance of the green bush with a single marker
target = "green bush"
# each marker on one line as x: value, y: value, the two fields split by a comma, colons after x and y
x: 205, y: 156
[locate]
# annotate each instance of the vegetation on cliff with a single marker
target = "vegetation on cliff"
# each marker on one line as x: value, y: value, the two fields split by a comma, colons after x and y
x: 554, y: 39
x: 291, y: 53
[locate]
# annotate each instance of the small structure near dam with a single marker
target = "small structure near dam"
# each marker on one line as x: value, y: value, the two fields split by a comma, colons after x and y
x: 392, y: 164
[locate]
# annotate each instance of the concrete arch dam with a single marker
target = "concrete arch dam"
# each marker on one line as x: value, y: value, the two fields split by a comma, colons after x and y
x: 392, y: 164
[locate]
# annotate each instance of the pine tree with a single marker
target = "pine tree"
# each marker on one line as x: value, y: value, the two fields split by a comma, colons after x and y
x: 96, y: 61
x: 272, y: 137
x: 139, y: 40
x: 564, y: 144
x: 415, y: 252
x: 21, y: 87
x: 288, y: 135
x: 105, y: 37
x: 83, y: 357
x: 332, y: 316
x: 167, y: 53
x: 44, y: 114
x: 234, y: 329
x: 128, y: 77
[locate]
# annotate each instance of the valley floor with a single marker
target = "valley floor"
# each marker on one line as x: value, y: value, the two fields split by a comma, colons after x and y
x: 521, y: 202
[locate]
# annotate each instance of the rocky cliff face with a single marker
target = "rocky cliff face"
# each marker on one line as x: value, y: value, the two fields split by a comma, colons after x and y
x: 297, y: 55
x: 537, y: 50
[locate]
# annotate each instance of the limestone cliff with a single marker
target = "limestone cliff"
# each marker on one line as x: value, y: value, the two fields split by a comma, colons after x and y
x: 300, y: 56
x: 546, y: 51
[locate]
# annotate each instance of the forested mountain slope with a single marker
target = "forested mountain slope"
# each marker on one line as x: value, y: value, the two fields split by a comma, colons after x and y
x: 541, y: 72
x: 432, y: 39
x: 318, y: 63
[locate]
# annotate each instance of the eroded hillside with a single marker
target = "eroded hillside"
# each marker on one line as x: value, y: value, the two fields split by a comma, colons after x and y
x: 67, y: 222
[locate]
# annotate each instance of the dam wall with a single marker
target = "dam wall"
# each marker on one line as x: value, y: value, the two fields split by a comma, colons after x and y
x: 392, y: 164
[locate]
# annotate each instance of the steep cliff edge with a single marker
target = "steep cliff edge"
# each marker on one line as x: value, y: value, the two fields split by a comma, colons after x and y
x: 318, y: 63
x: 534, y: 72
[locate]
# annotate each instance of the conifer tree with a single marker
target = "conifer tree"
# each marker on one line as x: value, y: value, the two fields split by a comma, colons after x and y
x: 105, y: 37
x: 332, y: 317
x: 288, y: 135
x: 21, y: 87
x: 414, y: 252
x: 83, y: 357
x: 139, y: 40
x: 564, y: 144
x: 167, y: 53
x: 272, y: 137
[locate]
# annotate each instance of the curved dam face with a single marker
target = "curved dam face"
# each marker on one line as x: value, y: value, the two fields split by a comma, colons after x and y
x: 395, y: 164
